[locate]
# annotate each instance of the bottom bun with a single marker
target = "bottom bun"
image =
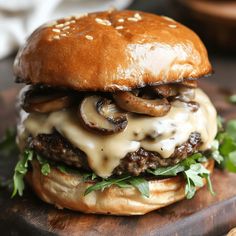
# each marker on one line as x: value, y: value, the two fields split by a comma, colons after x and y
x: 66, y: 190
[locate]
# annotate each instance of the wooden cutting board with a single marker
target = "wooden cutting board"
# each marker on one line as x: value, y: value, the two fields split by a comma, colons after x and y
x: 202, y: 215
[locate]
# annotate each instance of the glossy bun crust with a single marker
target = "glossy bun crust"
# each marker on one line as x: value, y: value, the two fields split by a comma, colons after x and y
x: 67, y: 191
x: 109, y: 51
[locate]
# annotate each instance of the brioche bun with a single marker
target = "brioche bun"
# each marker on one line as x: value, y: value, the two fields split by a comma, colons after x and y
x: 110, y: 51
x: 67, y: 191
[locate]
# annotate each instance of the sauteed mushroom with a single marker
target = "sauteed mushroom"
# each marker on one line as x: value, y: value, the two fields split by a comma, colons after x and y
x: 171, y: 90
x: 43, y: 100
x: 190, y: 83
x: 186, y: 94
x: 130, y: 102
x: 166, y: 90
x: 102, y: 115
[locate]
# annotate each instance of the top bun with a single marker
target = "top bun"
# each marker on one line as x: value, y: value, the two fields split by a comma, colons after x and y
x: 109, y: 51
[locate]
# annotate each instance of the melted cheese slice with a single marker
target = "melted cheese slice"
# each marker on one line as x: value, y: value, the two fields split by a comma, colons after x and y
x: 104, y: 152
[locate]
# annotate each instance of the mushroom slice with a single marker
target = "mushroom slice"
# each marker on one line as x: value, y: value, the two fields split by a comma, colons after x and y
x: 129, y: 102
x: 186, y: 94
x: 165, y: 90
x: 45, y: 100
x: 171, y: 90
x: 102, y: 115
x: 190, y: 83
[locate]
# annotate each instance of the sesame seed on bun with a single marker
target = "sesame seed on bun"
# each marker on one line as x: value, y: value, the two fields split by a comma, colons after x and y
x: 110, y: 51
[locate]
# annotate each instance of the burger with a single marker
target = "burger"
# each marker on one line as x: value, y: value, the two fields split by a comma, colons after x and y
x: 111, y: 118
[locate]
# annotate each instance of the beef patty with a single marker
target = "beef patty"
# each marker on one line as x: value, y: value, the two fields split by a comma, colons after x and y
x: 55, y: 147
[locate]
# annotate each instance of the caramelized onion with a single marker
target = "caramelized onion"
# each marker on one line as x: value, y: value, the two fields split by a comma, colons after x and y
x: 102, y: 115
x: 130, y: 102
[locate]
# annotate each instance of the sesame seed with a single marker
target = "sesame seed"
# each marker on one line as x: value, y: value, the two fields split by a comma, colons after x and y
x: 56, y: 30
x: 103, y: 21
x: 133, y: 19
x: 89, y: 37
x: 121, y: 20
x: 56, y: 37
x: 72, y: 21
x: 119, y: 27
x: 168, y: 18
x: 67, y: 23
x: 173, y: 26
x: 63, y: 35
x: 59, y: 26
x: 137, y: 16
x: 66, y: 28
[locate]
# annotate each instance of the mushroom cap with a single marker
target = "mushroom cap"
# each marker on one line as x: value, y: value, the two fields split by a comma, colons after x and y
x: 100, y: 115
x: 44, y: 100
x: 67, y: 191
x: 111, y: 51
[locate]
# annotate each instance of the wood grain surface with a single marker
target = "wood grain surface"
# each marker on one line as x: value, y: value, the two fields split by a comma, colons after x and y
x: 202, y: 215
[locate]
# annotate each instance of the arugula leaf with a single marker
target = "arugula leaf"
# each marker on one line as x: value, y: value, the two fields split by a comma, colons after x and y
x: 232, y: 98
x: 124, y: 182
x: 232, y: 157
x: 209, y: 184
x: 231, y: 129
x: 202, y: 159
x: 98, y: 186
x: 215, y: 152
x: 194, y: 177
x: 20, y: 171
x: 62, y: 168
x: 105, y: 184
x: 220, y: 122
x: 141, y: 184
x: 174, y: 170
x: 196, y: 156
x: 227, y: 146
x: 45, y: 167
x: 87, y: 176
x: 230, y: 162
x: 191, y: 160
x: 193, y: 171
x: 167, y: 171
x: 189, y: 188
x: 66, y: 169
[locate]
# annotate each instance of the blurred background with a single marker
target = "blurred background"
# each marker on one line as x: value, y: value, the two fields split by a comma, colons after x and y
x: 213, y: 20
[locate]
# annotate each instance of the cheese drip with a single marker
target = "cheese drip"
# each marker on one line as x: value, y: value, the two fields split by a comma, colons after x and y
x: 104, y: 152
